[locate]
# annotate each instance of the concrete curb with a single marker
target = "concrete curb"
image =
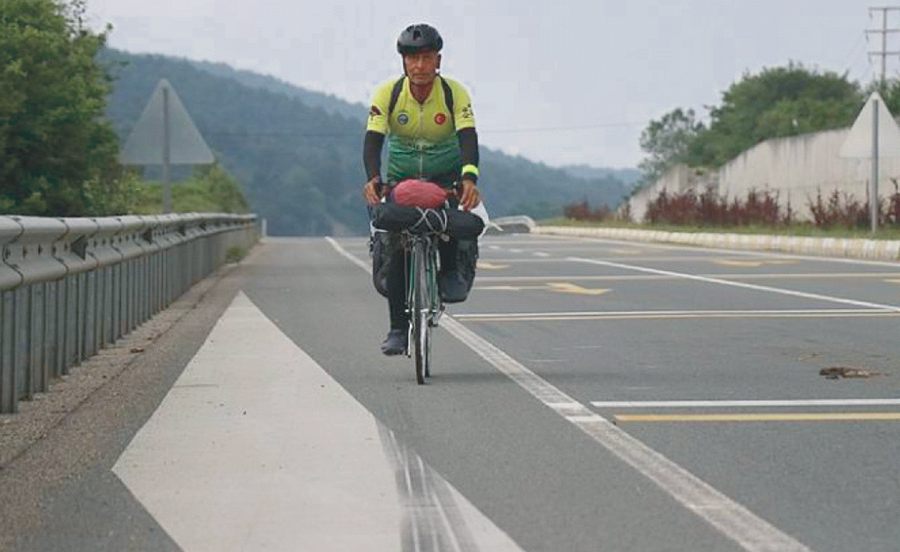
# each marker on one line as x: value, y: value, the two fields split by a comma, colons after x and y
x: 883, y: 250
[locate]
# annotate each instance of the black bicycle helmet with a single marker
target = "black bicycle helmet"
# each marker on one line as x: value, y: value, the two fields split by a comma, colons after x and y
x: 419, y: 38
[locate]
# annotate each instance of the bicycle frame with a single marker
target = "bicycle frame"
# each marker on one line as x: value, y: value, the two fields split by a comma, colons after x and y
x: 423, y: 302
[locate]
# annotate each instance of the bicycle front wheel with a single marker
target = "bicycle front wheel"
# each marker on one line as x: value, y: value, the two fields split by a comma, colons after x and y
x: 419, y: 315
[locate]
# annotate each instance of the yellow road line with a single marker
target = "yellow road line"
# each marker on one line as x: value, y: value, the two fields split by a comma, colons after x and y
x: 567, y: 287
x: 751, y: 263
x: 767, y: 417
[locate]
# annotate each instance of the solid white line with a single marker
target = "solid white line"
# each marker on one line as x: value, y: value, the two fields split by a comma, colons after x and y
x: 747, y: 403
x: 739, y: 252
x: 575, y: 314
x: 730, y: 276
x: 363, y: 265
x: 744, y: 285
x: 730, y: 518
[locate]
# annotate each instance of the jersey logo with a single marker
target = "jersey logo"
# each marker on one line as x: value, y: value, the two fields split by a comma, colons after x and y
x: 467, y: 112
x: 403, y: 118
x: 440, y: 118
x: 374, y: 111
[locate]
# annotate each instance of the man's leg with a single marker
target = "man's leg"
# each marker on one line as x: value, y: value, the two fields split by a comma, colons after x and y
x: 395, y: 343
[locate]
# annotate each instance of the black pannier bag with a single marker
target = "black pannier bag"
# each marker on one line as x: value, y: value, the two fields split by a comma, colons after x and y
x: 455, y: 223
x: 466, y: 261
x: 464, y: 226
x: 381, y: 246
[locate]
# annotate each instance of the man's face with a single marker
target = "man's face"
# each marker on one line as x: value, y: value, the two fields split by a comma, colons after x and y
x: 422, y: 67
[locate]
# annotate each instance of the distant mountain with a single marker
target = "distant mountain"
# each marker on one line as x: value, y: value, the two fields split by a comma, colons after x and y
x: 629, y: 177
x: 328, y: 102
x: 298, y: 153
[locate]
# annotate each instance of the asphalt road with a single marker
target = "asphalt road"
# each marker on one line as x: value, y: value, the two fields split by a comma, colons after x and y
x: 590, y: 395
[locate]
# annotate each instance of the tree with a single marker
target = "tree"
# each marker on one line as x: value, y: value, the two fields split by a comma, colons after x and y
x: 890, y: 93
x: 210, y: 190
x: 57, y: 154
x: 668, y: 141
x: 782, y: 101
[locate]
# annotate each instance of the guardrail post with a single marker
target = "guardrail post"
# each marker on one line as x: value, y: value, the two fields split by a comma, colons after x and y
x: 31, y: 254
x: 10, y: 279
x: 102, y: 248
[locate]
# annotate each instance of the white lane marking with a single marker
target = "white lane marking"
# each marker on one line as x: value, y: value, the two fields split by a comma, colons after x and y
x: 673, y: 313
x: 656, y: 277
x: 730, y: 518
x: 747, y: 403
x: 756, y: 287
x: 540, y: 254
x: 744, y: 252
x: 337, y: 247
x: 515, y: 250
x: 258, y: 448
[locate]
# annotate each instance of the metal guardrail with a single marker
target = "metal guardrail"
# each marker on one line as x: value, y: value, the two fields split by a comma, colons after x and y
x: 70, y: 286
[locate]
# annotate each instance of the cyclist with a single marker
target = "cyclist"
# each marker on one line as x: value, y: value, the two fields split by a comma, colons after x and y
x: 430, y: 125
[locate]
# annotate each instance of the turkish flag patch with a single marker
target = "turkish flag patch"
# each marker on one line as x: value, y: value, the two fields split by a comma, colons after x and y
x: 440, y: 118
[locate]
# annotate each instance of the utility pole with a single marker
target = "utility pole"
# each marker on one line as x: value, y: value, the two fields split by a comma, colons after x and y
x: 883, y: 31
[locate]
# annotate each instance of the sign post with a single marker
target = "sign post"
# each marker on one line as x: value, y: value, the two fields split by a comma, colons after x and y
x: 873, y: 135
x: 165, y: 135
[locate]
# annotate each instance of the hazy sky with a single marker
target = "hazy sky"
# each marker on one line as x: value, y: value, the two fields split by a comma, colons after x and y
x: 571, y: 81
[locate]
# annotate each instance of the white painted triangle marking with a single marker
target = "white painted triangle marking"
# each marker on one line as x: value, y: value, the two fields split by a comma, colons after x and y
x: 256, y: 447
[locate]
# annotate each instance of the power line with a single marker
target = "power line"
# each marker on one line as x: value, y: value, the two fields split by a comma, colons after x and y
x: 884, y: 31
x: 852, y: 58
x: 306, y: 134
x: 561, y: 128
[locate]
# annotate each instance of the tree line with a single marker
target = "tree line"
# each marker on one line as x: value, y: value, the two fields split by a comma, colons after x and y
x: 58, y: 150
x: 775, y: 102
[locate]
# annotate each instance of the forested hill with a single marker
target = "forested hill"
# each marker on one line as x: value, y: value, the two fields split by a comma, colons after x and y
x: 299, y: 158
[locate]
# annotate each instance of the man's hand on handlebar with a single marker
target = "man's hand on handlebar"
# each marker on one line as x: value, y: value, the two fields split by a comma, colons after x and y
x: 372, y: 190
x: 470, y: 197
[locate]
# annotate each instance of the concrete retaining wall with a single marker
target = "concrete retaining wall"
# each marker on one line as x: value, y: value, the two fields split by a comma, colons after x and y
x: 885, y: 250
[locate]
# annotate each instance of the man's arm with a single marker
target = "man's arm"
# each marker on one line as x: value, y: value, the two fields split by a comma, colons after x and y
x: 468, y: 149
x: 376, y: 129
x: 468, y: 146
x: 372, y: 145
x: 464, y: 119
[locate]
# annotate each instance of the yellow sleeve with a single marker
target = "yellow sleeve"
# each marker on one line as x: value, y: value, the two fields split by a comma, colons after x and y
x: 378, y: 111
x: 462, y: 107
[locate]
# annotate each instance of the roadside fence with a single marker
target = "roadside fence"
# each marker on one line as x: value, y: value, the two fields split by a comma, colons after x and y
x: 70, y: 286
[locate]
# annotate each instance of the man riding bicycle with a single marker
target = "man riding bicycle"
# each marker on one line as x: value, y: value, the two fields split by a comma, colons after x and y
x: 430, y: 125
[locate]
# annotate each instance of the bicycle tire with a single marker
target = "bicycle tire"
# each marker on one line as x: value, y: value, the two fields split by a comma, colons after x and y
x: 419, y: 315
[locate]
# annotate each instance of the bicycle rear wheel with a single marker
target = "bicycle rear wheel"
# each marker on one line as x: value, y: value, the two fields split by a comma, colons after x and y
x: 419, y: 316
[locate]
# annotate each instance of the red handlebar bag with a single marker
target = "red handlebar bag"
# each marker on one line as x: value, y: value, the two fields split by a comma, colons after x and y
x: 419, y: 193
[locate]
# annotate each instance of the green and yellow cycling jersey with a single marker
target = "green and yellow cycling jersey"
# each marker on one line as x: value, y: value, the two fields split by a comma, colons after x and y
x: 422, y: 140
